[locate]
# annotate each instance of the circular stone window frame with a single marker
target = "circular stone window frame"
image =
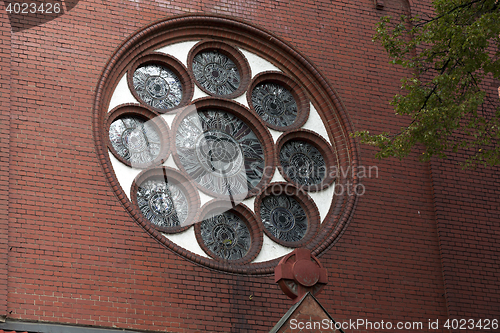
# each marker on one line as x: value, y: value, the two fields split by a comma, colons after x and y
x: 232, y: 53
x: 176, y: 178
x: 254, y: 39
x: 216, y: 207
x: 304, y: 200
x: 293, y: 87
x: 169, y: 62
x: 324, y: 149
x: 149, y: 116
x: 250, y: 119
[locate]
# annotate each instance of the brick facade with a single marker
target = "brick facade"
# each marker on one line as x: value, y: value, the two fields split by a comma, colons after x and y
x: 422, y: 242
x: 5, y: 71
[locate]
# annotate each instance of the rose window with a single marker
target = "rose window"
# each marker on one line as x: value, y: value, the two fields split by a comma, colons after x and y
x: 219, y: 148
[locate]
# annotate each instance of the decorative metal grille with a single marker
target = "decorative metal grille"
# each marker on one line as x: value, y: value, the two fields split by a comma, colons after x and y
x: 157, y: 86
x: 220, y: 152
x: 283, y: 217
x: 303, y: 163
x: 135, y: 140
x: 216, y: 73
x: 274, y: 104
x: 162, y: 203
x: 226, y: 236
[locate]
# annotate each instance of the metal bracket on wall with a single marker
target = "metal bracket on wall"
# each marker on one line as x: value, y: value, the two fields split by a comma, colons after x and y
x: 379, y: 4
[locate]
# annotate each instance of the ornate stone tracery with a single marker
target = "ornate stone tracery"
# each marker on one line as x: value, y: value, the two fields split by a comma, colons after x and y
x: 220, y: 150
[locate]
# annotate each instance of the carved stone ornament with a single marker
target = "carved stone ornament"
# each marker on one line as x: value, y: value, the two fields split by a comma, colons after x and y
x: 300, y: 272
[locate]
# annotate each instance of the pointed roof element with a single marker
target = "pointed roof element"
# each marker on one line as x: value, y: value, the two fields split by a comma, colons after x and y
x: 307, y: 315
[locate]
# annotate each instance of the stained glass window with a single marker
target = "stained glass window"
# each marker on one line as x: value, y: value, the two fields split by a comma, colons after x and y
x: 220, y: 152
x: 157, y: 86
x: 274, y: 104
x: 220, y: 148
x: 162, y: 203
x: 135, y: 140
x: 283, y: 217
x: 226, y: 236
x: 302, y: 162
x: 216, y: 73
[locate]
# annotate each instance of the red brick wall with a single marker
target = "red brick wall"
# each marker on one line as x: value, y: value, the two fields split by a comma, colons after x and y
x: 78, y: 257
x: 387, y: 264
x: 4, y: 153
x: 467, y: 216
x: 468, y: 213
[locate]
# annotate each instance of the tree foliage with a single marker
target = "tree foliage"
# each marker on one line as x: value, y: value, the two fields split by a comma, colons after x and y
x: 450, y: 54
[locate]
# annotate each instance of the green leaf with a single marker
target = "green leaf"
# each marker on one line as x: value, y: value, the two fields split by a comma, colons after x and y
x: 450, y: 55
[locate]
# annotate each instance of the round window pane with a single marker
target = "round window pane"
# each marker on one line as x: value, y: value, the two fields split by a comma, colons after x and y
x: 220, y: 152
x: 135, y: 140
x: 302, y: 162
x: 283, y: 217
x: 226, y: 236
x: 274, y: 104
x: 162, y: 203
x: 157, y: 86
x: 216, y: 73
